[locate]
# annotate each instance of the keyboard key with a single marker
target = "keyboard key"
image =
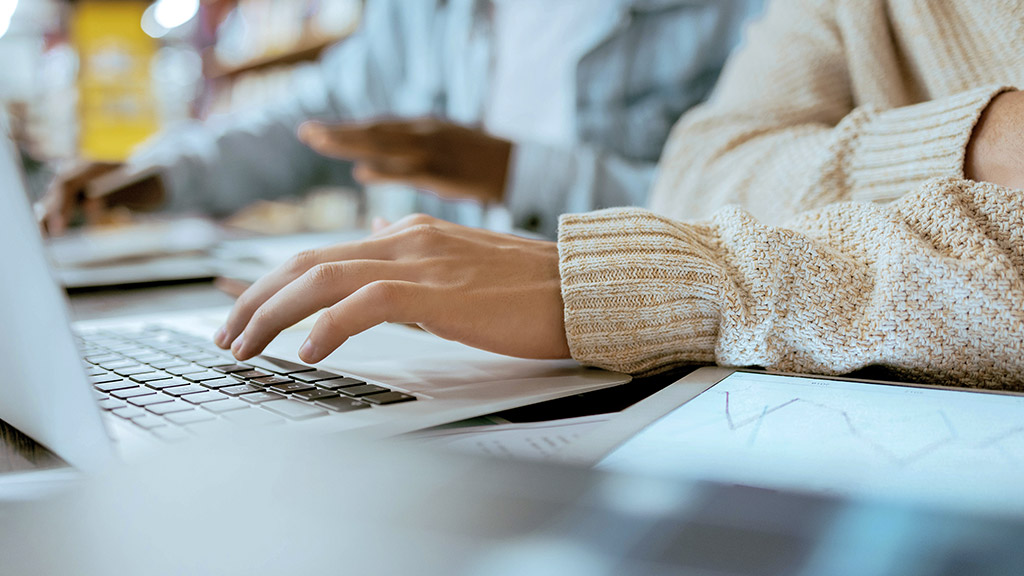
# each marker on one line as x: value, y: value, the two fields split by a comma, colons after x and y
x: 169, y: 383
x: 315, y: 394
x: 170, y: 407
x: 218, y: 383
x: 101, y: 358
x: 186, y: 369
x: 199, y: 356
x: 120, y: 363
x: 278, y: 366
x: 110, y: 404
x: 212, y: 361
x: 240, y: 389
x: 291, y: 387
x: 190, y: 417
x: 91, y: 371
x: 150, y: 377
x: 183, y: 390
x: 150, y: 400
x: 165, y: 364
x: 231, y: 368
x: 204, y: 397
x: 204, y: 375
x: 270, y: 381
x: 118, y: 385
x: 316, y: 376
x: 133, y: 370
x: 387, y: 398
x: 149, y: 421
x: 103, y: 378
x: 248, y: 374
x: 254, y: 417
x: 294, y: 410
x: 341, y: 404
x: 226, y: 405
x: 132, y: 392
x: 260, y: 397
x: 151, y: 357
x: 171, y: 434
x: 364, y: 390
x: 130, y: 412
x: 339, y: 383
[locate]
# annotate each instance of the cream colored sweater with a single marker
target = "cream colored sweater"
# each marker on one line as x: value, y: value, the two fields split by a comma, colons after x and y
x: 815, y: 213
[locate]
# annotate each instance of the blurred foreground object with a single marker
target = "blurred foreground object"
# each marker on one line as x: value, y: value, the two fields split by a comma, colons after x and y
x: 280, y: 504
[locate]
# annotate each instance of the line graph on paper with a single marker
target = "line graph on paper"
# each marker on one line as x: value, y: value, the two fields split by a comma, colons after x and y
x: 768, y: 429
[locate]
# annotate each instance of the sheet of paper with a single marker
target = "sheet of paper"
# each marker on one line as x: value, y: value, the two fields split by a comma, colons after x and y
x: 532, y: 441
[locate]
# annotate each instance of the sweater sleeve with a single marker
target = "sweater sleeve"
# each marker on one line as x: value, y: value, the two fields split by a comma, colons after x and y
x: 930, y: 286
x: 812, y: 110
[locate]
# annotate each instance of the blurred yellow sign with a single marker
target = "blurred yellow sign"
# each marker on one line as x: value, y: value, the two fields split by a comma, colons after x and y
x: 117, y: 109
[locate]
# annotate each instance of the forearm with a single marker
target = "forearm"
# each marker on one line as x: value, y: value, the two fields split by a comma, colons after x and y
x: 219, y: 170
x: 929, y: 285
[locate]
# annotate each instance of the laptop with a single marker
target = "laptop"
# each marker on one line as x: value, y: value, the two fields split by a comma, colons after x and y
x: 116, y: 387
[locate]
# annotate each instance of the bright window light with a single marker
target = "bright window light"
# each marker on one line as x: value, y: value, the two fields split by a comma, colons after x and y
x: 173, y: 13
x: 7, y: 8
x: 149, y: 24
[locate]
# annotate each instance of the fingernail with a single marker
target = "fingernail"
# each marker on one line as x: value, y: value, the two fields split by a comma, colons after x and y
x: 308, y: 352
x: 220, y: 337
x: 237, y: 346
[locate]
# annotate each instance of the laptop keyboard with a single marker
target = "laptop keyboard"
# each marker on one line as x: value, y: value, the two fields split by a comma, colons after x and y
x: 170, y: 384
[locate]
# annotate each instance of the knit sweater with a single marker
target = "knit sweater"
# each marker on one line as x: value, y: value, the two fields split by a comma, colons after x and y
x: 813, y: 216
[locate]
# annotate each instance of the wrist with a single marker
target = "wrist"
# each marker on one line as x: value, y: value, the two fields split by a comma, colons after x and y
x: 995, y: 152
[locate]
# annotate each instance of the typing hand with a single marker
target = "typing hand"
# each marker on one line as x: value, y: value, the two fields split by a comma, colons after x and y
x: 451, y: 161
x: 492, y: 291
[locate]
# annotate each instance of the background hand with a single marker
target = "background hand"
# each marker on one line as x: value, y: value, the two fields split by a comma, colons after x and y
x: 449, y: 160
x: 91, y: 188
x: 66, y: 196
x: 492, y: 291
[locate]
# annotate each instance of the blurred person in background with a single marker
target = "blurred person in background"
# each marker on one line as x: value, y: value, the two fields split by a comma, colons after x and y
x: 849, y: 196
x: 539, y: 107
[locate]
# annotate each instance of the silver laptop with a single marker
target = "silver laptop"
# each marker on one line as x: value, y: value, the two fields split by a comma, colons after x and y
x: 139, y: 380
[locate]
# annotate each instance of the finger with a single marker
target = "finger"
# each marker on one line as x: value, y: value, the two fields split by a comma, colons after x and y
x: 373, y: 304
x: 320, y: 287
x: 374, y: 248
x: 405, y: 223
x: 366, y: 142
x: 379, y: 224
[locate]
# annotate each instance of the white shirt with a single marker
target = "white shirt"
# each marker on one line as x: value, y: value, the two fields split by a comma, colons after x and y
x: 537, y: 47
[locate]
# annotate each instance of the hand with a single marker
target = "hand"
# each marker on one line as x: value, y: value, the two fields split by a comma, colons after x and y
x: 91, y: 188
x: 451, y: 161
x: 492, y: 291
x: 995, y: 152
x: 66, y: 195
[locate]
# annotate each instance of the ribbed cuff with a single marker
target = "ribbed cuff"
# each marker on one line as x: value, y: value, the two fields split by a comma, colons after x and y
x: 895, y: 150
x: 639, y: 292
